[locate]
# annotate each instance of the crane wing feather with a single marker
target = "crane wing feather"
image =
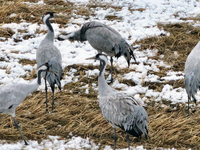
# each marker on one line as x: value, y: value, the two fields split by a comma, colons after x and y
x: 125, y: 112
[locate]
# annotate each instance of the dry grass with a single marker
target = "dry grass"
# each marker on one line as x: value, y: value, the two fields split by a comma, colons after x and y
x: 139, y: 9
x: 183, y: 37
x: 175, y: 49
x: 113, y: 17
x: 24, y: 11
x: 27, y: 61
x: 78, y: 112
x: 168, y: 126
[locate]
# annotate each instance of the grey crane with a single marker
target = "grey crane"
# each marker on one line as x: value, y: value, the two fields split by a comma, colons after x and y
x: 192, y: 74
x: 120, y: 109
x: 11, y: 95
x: 104, y: 39
x: 47, y: 52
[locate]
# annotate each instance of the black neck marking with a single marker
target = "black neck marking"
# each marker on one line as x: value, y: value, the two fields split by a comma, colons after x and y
x: 49, y: 25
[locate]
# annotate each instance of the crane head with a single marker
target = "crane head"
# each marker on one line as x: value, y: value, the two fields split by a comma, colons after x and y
x: 99, y: 56
x: 42, y: 68
x: 46, y: 67
x: 47, y: 16
x: 103, y: 61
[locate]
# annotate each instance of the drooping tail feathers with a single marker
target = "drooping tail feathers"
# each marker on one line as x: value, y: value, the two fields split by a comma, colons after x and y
x: 124, y: 49
x: 54, y: 74
x: 141, y: 123
x: 137, y: 123
x: 192, y: 85
x: 53, y: 79
x: 137, y: 129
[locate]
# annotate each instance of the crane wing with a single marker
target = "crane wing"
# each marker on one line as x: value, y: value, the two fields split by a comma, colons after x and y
x: 125, y: 112
x: 12, y: 95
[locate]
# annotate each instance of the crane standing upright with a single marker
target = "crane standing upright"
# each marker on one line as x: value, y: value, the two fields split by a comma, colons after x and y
x: 47, y: 52
x: 120, y: 109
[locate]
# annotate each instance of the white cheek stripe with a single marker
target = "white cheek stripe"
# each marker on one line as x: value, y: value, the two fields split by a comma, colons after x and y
x: 103, y: 58
x: 46, y: 17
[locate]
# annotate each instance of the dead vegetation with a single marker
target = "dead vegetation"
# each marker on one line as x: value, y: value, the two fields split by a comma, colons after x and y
x: 77, y: 111
x: 175, y: 47
x: 168, y: 126
x: 6, y: 33
x: 113, y: 17
x: 27, y: 61
x: 17, y: 11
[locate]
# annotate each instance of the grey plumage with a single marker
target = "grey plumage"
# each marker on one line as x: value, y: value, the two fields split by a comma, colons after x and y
x: 47, y: 52
x: 192, y: 73
x: 11, y: 95
x: 102, y: 38
x: 120, y: 109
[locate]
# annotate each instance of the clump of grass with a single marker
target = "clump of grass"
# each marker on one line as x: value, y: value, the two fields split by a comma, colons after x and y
x: 27, y: 61
x: 6, y: 32
x: 139, y: 9
x: 128, y: 82
x: 113, y: 17
x: 157, y: 86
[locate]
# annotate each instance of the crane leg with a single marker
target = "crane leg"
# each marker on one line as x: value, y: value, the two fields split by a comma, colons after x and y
x: 127, y: 138
x: 52, y: 101
x: 111, y: 69
x: 16, y: 125
x: 115, y: 138
x: 188, y: 106
x: 46, y: 91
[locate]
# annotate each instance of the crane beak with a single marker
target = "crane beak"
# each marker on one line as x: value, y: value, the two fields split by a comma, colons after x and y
x: 55, y: 16
x: 42, y: 68
x: 91, y: 58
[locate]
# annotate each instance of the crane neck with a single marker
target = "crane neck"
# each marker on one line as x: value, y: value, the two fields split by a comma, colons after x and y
x: 50, y: 33
x: 33, y: 86
x: 102, y: 84
x: 36, y: 82
x: 42, y: 68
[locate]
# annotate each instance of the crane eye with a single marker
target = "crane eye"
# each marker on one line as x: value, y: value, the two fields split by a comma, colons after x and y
x: 46, y: 13
x: 10, y: 107
x: 98, y: 55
